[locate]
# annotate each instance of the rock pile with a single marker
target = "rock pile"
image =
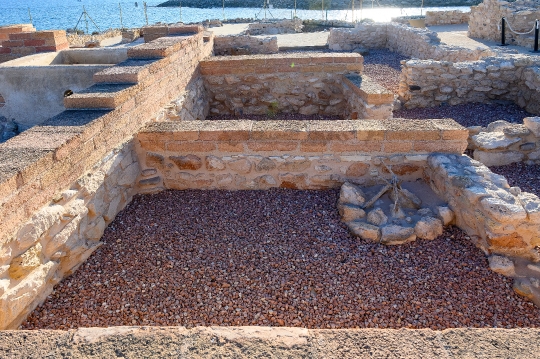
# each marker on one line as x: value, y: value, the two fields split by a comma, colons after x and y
x: 393, y: 215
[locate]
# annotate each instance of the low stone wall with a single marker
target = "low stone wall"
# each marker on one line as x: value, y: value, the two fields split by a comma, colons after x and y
x: 409, y: 41
x: 450, y: 17
x: 367, y: 99
x: 275, y: 27
x: 192, y: 104
x: 27, y: 43
x: 130, y: 35
x: 153, y: 32
x: 246, y: 154
x: 76, y: 40
x: 516, y: 78
x: 62, y: 182
x: 486, y: 18
x: 501, y: 220
x: 503, y: 143
x: 244, y: 45
x: 299, y: 83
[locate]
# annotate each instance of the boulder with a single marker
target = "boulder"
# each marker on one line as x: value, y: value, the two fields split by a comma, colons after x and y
x: 498, y: 158
x: 352, y: 194
x: 394, y: 234
x: 502, y: 265
x: 365, y: 231
x: 377, y: 217
x: 349, y: 212
x: 428, y: 228
x: 493, y: 141
x: 446, y: 215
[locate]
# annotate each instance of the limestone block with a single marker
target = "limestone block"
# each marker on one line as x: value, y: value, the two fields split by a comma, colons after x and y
x: 377, y: 217
x: 502, y: 265
x: 365, y: 231
x: 265, y: 181
x: 18, y: 298
x: 40, y: 222
x: 242, y: 165
x: 503, y: 211
x: 428, y: 228
x: 407, y: 199
x: 224, y: 180
x: 309, y: 110
x: 70, y: 233
x: 295, y: 165
x: 349, y: 212
x: 189, y: 162
x: 89, y: 184
x: 214, y: 163
x: 22, y: 265
x: 498, y: 158
x: 73, y: 209
x: 352, y: 194
x: 446, y: 215
x: 498, y: 126
x: 535, y: 155
x: 493, y: 140
x: 394, y: 234
x: 95, y: 230
x: 533, y: 124
x: 293, y: 180
x: 516, y: 131
x: 129, y: 175
x: 357, y: 169
x: 531, y: 203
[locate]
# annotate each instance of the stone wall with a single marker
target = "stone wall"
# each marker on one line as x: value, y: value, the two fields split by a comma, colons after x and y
x: 366, y: 99
x: 63, y: 181
x: 27, y: 43
x: 516, y: 78
x: 502, y: 143
x: 153, y: 32
x: 485, y: 20
x: 76, y: 40
x: 298, y: 83
x: 275, y: 27
x: 244, y: 45
x: 246, y: 154
x: 446, y: 17
x: 192, y: 104
x: 408, y: 41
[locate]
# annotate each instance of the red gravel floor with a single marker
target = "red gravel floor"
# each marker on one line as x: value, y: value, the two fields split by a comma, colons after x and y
x: 526, y: 177
x: 384, y: 67
x: 278, y: 258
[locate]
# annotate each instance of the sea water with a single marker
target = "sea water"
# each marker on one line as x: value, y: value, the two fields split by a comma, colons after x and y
x: 105, y: 14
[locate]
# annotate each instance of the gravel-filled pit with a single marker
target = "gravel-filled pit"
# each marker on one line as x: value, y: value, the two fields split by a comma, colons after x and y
x: 470, y: 114
x: 277, y: 257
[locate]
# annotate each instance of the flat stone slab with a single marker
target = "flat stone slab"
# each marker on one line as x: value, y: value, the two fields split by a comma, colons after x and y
x: 269, y: 342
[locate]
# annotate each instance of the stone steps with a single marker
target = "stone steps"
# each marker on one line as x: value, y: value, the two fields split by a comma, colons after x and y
x: 101, y: 96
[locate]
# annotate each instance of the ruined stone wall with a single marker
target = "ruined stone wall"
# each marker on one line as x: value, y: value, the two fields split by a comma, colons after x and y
x: 366, y: 99
x: 76, y: 40
x: 486, y: 18
x: 63, y: 181
x: 502, y: 143
x: 446, y: 17
x: 246, y: 154
x: 275, y: 27
x: 408, y: 41
x: 499, y: 218
x: 426, y: 83
x: 192, y: 104
x: 299, y: 83
x: 27, y: 43
x: 244, y: 45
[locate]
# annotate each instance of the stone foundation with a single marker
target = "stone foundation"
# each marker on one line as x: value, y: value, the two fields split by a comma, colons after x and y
x: 244, y: 45
x: 446, y: 17
x: 275, y: 27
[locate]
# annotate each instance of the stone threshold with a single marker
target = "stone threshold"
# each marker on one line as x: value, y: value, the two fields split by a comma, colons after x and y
x: 270, y: 342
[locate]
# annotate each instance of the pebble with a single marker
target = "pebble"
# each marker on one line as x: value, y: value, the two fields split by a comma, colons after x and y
x: 288, y: 261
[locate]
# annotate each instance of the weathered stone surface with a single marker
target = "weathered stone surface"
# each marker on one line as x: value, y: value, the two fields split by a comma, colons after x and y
x: 531, y: 204
x: 428, y: 228
x: 265, y: 165
x: 523, y: 287
x: 357, y: 169
x: 154, y: 160
x: 96, y: 229
x: 22, y: 265
x: 242, y: 165
x: 189, y: 162
x: 498, y: 126
x: 498, y: 158
x: 265, y: 181
x: 516, y: 131
x: 349, y: 212
x: 394, y: 234
x: 377, y: 217
x: 446, y: 215
x: 407, y: 199
x: 402, y: 169
x: 293, y: 180
x: 38, y: 224
x: 493, y: 141
x: 295, y: 165
x: 365, y: 231
x: 309, y: 110
x: 503, y: 211
x: 352, y: 194
x: 214, y: 163
x: 533, y: 124
x: 502, y: 265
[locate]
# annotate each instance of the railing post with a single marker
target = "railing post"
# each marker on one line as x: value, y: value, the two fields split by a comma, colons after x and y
x: 503, y: 32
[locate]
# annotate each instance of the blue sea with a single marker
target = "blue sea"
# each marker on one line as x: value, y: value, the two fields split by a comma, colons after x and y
x: 105, y: 14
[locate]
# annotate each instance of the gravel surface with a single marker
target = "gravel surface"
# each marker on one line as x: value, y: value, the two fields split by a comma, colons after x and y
x: 470, y: 114
x: 279, y: 116
x: 527, y: 177
x: 278, y: 258
x: 384, y: 67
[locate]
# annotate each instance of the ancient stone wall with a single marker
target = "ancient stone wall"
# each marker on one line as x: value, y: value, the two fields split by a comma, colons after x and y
x: 366, y: 99
x: 153, y: 32
x: 300, y: 83
x: 76, y: 40
x: 27, y: 43
x: 409, y: 41
x: 426, y: 83
x: 446, y: 17
x: 275, y: 27
x: 501, y: 219
x: 246, y: 154
x: 485, y: 20
x: 502, y: 143
x: 244, y: 45
x: 192, y: 104
x: 63, y: 181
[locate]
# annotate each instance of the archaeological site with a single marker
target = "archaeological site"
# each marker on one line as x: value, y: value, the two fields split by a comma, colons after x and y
x: 270, y: 190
